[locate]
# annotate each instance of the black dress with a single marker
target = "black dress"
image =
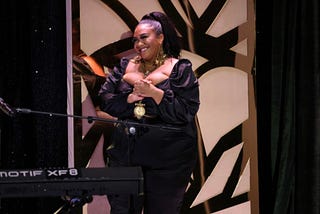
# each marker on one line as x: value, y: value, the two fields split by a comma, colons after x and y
x: 167, y: 153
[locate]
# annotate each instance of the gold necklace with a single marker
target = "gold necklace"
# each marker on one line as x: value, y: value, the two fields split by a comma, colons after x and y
x: 147, y: 68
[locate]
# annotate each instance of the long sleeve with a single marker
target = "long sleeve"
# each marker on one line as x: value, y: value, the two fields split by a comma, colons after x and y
x: 114, y: 93
x: 181, y: 99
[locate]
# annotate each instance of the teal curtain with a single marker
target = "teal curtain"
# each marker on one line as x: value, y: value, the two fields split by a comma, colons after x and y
x: 288, y: 91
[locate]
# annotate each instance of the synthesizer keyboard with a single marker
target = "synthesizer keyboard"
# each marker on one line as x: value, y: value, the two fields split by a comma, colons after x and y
x: 70, y: 182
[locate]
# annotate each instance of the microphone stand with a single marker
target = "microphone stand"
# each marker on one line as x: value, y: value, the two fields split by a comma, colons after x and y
x: 129, y: 126
x: 90, y: 119
x: 72, y: 203
x: 130, y: 130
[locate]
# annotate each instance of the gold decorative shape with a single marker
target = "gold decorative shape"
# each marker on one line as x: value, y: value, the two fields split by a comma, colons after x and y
x: 241, y: 47
x: 232, y: 15
x: 200, y: 6
x: 224, y: 103
x: 243, y: 185
x: 219, y: 176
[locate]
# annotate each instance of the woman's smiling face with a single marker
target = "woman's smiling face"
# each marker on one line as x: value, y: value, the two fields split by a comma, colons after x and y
x: 146, y: 42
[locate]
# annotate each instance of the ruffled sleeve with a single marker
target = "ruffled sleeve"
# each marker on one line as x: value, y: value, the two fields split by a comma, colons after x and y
x: 181, y: 100
x: 114, y: 93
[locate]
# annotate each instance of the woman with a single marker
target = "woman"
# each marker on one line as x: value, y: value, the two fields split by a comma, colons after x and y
x: 155, y: 88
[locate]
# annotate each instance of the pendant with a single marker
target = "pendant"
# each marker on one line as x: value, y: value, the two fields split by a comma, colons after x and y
x: 146, y: 73
x: 139, y: 110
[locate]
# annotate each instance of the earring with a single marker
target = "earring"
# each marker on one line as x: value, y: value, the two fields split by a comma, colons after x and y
x: 161, y: 57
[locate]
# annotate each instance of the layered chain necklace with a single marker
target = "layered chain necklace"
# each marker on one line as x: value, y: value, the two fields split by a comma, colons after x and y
x: 146, y: 67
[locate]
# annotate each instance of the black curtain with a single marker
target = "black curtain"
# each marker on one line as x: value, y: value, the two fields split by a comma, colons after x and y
x: 33, y: 76
x: 288, y: 106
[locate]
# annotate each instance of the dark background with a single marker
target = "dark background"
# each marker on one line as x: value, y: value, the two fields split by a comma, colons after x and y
x: 33, y: 75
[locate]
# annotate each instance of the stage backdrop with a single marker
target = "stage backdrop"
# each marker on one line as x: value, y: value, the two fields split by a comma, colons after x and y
x: 219, y: 38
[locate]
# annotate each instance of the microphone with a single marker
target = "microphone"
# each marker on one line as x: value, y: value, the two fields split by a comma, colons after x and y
x: 132, y: 130
x: 6, y: 108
